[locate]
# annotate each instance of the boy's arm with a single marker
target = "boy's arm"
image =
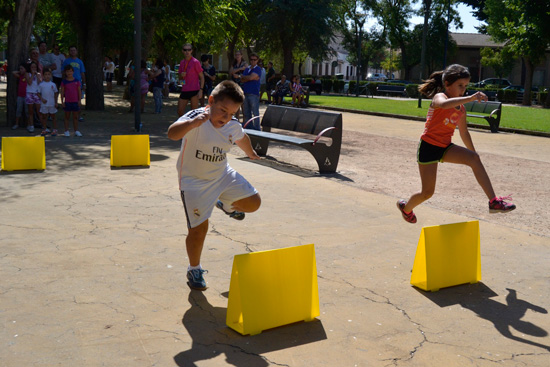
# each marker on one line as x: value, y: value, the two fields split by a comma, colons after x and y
x: 246, y: 147
x: 180, y: 128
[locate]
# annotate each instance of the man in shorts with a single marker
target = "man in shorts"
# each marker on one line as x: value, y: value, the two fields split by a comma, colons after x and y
x: 192, y: 80
x: 205, y: 177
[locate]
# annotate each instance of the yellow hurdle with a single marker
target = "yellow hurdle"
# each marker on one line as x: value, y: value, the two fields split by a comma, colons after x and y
x: 23, y: 153
x: 130, y: 150
x: 447, y: 255
x: 272, y: 288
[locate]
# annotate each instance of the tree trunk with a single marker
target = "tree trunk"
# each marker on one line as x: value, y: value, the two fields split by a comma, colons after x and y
x: 88, y: 22
x: 19, y: 34
x: 529, y: 69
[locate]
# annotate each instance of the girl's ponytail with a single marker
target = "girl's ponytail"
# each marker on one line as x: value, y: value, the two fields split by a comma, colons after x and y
x: 433, y: 85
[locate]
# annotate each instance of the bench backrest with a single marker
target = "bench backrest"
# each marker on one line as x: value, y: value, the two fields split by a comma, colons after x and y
x: 303, y: 121
x: 396, y: 88
x: 482, y: 107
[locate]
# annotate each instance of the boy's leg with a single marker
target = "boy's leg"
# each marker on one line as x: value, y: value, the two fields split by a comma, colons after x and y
x: 249, y: 204
x: 43, y: 119
x: 54, y: 121
x: 195, y: 242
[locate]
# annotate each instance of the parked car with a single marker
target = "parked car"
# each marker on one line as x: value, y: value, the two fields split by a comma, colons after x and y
x: 376, y: 77
x: 501, y: 83
x: 521, y: 91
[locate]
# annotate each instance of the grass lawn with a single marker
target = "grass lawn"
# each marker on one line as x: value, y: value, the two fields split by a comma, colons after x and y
x: 526, y: 118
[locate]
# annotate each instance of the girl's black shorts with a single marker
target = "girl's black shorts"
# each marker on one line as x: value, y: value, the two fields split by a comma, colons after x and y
x: 429, y: 153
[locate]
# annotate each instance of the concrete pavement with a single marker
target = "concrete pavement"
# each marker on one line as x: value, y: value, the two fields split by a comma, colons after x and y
x: 93, y: 267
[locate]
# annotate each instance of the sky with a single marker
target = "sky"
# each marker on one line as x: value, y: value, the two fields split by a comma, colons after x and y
x: 468, y: 20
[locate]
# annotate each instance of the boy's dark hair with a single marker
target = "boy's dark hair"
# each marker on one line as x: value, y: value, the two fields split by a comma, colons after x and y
x: 228, y: 89
x: 68, y: 67
x: 204, y: 57
x: 46, y: 70
x: 436, y: 83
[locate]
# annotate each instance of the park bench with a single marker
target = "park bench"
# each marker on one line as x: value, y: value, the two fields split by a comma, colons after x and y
x: 392, y: 89
x: 314, y: 127
x: 491, y: 112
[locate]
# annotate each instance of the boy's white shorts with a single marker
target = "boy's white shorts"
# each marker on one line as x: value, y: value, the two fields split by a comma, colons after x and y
x: 200, y: 196
x: 48, y: 110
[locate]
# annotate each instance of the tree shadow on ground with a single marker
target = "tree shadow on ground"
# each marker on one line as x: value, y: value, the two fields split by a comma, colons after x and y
x: 477, y: 298
x: 212, y: 338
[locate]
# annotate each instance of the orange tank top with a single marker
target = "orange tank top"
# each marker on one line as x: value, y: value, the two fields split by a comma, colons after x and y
x: 441, y: 124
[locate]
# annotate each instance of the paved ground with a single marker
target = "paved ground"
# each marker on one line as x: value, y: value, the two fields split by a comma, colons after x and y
x: 93, y: 263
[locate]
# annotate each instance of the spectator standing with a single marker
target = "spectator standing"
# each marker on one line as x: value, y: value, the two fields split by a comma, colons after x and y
x: 157, y: 75
x: 250, y: 80
x: 238, y: 67
x: 270, y: 81
x: 109, y: 73
x: 47, y: 91
x: 21, y: 76
x: 71, y: 95
x: 46, y: 59
x: 79, y: 71
x: 34, y: 77
x: 190, y: 73
x: 34, y: 53
x: 143, y: 87
x: 209, y: 72
x: 262, y: 79
x: 167, y: 77
x: 57, y: 72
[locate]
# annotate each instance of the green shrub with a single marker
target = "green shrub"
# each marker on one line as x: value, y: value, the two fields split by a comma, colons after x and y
x: 351, y: 89
x: 412, y: 90
x: 338, y: 85
x: 327, y: 85
x: 543, y: 98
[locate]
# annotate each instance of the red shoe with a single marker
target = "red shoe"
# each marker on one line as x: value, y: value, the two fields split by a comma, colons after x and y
x: 498, y: 205
x: 410, y: 217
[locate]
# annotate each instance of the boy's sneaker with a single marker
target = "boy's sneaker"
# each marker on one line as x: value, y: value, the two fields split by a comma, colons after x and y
x: 30, y: 128
x: 15, y: 127
x: 498, y: 205
x: 44, y: 132
x: 410, y: 217
x: 234, y: 214
x: 77, y: 133
x: 196, y: 280
x: 54, y: 132
x: 67, y: 133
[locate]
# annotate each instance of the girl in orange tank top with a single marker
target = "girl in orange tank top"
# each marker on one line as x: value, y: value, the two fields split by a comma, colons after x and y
x: 447, y: 88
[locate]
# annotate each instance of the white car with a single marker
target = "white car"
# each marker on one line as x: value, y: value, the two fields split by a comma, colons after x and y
x: 376, y: 77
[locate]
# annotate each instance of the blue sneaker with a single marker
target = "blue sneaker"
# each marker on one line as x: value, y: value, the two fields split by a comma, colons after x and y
x: 234, y: 214
x: 196, y: 280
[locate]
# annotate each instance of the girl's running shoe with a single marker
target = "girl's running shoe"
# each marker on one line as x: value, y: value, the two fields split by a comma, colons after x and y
x: 410, y: 217
x: 499, y: 205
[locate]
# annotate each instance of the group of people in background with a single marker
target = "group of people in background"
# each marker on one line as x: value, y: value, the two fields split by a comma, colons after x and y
x: 45, y: 81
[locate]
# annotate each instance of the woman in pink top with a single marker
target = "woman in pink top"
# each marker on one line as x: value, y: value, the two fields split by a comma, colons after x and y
x: 446, y: 113
x: 192, y: 80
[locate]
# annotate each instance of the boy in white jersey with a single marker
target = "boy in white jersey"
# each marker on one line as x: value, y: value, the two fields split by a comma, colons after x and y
x: 205, y: 178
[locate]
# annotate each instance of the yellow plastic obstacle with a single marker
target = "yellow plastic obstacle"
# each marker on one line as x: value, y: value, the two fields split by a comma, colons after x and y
x: 272, y: 288
x: 130, y: 150
x: 447, y: 255
x: 23, y: 153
